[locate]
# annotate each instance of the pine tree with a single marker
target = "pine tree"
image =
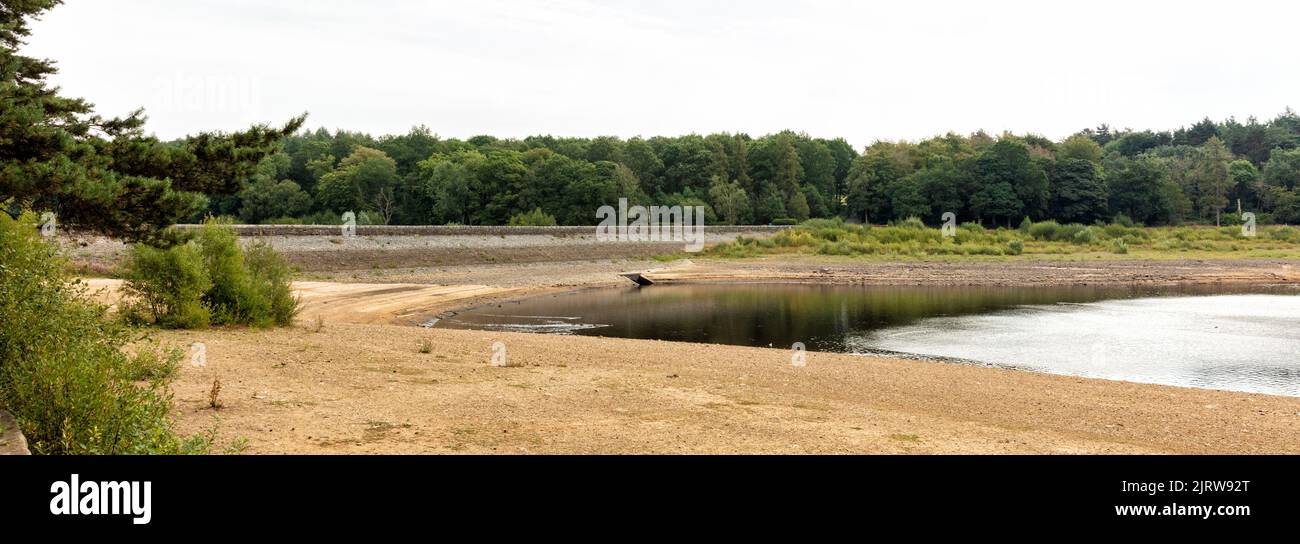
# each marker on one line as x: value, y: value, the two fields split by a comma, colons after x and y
x: 105, y: 174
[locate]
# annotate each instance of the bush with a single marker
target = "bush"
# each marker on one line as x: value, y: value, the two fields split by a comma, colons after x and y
x: 210, y: 279
x: 323, y: 218
x: 63, y: 373
x: 1015, y: 247
x: 153, y: 364
x: 535, y: 218
x: 1286, y: 234
x: 1119, y: 246
x: 912, y: 222
x: 1084, y: 236
x: 1068, y: 232
x: 166, y: 287
x: 1044, y: 230
x: 232, y: 298
x: 736, y: 250
x: 803, y: 237
x: 270, y: 275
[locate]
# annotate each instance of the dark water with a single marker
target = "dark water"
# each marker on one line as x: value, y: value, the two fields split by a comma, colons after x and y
x: 1234, y: 338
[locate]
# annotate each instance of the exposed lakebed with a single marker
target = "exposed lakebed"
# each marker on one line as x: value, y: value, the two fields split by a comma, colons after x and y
x: 1231, y: 337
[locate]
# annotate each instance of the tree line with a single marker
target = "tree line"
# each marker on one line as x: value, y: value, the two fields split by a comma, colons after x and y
x: 419, y: 178
x: 1192, y: 174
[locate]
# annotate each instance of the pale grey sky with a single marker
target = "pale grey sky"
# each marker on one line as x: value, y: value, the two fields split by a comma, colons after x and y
x: 511, y: 68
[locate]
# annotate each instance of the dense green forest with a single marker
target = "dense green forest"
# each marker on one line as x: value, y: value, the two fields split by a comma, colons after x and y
x: 1195, y: 174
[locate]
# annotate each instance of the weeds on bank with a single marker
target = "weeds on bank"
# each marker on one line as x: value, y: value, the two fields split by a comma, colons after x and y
x: 912, y: 238
x: 214, y: 395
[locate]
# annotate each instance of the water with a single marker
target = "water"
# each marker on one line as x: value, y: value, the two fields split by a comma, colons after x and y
x: 1231, y: 338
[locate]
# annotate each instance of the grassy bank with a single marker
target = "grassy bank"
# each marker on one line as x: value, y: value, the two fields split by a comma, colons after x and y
x: 1046, y: 239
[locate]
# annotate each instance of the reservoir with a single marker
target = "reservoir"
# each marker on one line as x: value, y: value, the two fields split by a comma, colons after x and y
x: 1238, y: 338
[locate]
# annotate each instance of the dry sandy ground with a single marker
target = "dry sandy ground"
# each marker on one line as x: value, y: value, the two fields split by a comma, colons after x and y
x: 368, y: 389
x: 360, y: 383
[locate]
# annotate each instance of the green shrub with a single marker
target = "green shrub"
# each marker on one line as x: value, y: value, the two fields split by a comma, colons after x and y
x: 1123, y: 220
x: 1287, y: 234
x: 535, y: 218
x: 270, y: 276
x: 232, y: 299
x: 1015, y: 247
x: 1084, y: 236
x: 1068, y: 232
x: 735, y: 250
x: 210, y: 279
x: 1232, y: 219
x: 835, y: 223
x: 1116, y: 230
x: 912, y: 222
x: 835, y: 248
x: 166, y: 286
x: 63, y: 373
x: 1044, y: 230
x: 1026, y: 225
x: 804, y: 237
x: 153, y: 364
x: 323, y: 218
x: 1119, y: 246
x: 983, y: 250
x: 1227, y: 233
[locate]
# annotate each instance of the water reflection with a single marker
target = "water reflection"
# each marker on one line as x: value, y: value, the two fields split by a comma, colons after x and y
x: 1241, y: 338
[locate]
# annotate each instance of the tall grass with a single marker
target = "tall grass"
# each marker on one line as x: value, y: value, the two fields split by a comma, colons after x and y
x: 911, y: 238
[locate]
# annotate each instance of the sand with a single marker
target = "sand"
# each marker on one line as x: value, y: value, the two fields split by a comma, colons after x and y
x: 351, y: 376
x: 351, y: 388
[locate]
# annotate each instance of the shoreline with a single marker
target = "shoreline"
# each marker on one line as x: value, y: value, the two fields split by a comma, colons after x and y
x: 361, y: 384
x: 802, y: 270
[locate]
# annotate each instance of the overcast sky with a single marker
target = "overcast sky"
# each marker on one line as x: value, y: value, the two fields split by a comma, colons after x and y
x: 860, y: 70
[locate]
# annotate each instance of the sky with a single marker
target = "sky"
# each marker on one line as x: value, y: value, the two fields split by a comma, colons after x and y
x: 860, y: 70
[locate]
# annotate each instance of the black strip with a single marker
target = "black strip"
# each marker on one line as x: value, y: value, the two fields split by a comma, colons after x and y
x: 438, y: 494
